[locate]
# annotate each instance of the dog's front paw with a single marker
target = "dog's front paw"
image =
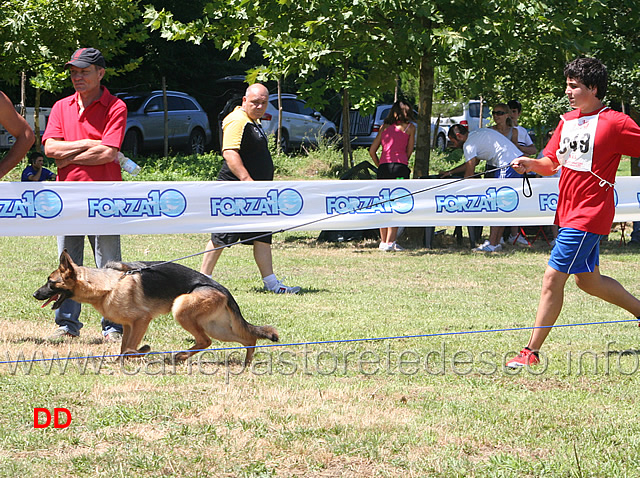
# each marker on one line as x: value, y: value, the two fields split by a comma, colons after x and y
x: 180, y: 357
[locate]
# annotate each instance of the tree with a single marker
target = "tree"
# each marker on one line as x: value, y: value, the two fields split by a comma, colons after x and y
x: 298, y: 38
x: 39, y: 36
x: 482, y: 47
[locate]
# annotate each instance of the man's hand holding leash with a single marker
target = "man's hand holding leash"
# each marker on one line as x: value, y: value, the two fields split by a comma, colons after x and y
x: 542, y: 166
x: 523, y: 164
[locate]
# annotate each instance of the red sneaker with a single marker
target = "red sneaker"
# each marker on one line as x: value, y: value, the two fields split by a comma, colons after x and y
x: 525, y: 357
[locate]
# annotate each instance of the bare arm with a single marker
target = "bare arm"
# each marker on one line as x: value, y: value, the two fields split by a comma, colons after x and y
x: 528, y: 150
x: 543, y: 166
x: 234, y: 161
x: 412, y: 140
x: 373, y: 149
x: 85, y: 152
x: 19, y: 129
x: 470, y: 167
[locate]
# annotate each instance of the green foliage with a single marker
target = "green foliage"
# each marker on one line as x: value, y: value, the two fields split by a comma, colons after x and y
x: 38, y: 36
x: 203, y: 167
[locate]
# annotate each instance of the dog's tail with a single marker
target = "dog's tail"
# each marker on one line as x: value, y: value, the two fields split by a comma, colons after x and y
x: 264, y: 332
x: 258, y: 331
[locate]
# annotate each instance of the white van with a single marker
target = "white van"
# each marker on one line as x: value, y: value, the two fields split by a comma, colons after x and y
x: 467, y: 114
x: 7, y: 140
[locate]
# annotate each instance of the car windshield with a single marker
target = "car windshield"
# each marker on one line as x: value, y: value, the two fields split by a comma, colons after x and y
x: 474, y: 110
x: 384, y: 113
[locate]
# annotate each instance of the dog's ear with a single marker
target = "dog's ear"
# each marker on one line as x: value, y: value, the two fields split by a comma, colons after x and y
x: 67, y: 265
x: 65, y: 260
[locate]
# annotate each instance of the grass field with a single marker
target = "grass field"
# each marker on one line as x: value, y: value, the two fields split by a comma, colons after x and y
x: 437, y: 405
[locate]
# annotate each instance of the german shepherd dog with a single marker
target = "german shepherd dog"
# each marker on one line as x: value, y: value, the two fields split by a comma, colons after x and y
x: 133, y: 293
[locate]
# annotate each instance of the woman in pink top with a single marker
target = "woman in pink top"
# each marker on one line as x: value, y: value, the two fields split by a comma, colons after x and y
x: 397, y: 138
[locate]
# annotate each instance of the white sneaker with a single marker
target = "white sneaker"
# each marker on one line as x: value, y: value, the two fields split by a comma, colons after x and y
x: 280, y: 288
x: 488, y: 248
x: 386, y: 246
x: 502, y: 241
x: 518, y: 240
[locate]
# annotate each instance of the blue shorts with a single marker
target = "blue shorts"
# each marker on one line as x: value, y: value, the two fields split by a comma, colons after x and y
x: 575, y: 251
x: 501, y: 173
x: 508, y: 173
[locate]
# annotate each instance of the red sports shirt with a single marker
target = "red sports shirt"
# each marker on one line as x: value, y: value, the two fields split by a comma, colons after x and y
x: 585, y: 202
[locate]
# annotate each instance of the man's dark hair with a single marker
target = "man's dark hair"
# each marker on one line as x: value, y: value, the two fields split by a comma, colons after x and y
x: 515, y: 105
x: 455, y: 129
x: 590, y: 72
x: 33, y: 156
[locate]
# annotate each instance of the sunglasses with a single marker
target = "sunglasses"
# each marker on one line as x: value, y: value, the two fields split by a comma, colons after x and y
x: 499, y: 113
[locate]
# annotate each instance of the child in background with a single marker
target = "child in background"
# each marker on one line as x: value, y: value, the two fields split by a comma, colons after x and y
x: 36, y: 170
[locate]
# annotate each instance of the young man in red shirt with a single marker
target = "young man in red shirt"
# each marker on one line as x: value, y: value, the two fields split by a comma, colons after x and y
x: 588, y: 144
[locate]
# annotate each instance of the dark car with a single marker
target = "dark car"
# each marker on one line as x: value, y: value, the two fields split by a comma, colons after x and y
x: 188, y: 124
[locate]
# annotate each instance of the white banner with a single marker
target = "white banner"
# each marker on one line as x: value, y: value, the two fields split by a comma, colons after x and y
x: 78, y: 208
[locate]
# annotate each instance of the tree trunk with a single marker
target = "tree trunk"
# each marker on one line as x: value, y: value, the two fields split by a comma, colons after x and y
x: 166, y: 116
x: 23, y: 94
x: 423, y: 150
x: 279, y: 135
x: 346, y: 130
x: 36, y: 120
x: 346, y: 121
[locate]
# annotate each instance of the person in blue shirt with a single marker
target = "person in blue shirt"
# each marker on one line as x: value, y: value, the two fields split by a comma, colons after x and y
x: 36, y: 171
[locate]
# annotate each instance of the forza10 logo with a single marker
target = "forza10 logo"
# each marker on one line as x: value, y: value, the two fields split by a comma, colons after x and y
x: 46, y: 204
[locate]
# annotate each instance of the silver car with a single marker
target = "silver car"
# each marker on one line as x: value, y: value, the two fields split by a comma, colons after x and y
x: 188, y: 124
x: 301, y: 125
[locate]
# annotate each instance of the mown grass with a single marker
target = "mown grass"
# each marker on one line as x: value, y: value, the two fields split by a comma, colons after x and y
x: 428, y: 404
x: 373, y: 408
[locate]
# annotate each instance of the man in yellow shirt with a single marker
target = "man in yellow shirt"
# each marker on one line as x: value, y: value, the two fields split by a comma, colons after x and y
x: 246, y: 154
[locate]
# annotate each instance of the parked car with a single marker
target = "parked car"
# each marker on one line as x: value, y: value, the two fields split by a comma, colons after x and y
x: 364, y: 129
x: 7, y: 140
x: 188, y: 123
x: 301, y: 125
x: 467, y: 114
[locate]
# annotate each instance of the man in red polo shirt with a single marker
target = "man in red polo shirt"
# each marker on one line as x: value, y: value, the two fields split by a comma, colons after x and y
x: 84, y: 134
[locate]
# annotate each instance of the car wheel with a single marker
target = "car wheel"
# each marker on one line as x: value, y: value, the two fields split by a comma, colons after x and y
x: 284, y: 142
x: 196, y: 142
x: 132, y: 143
x: 441, y: 142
